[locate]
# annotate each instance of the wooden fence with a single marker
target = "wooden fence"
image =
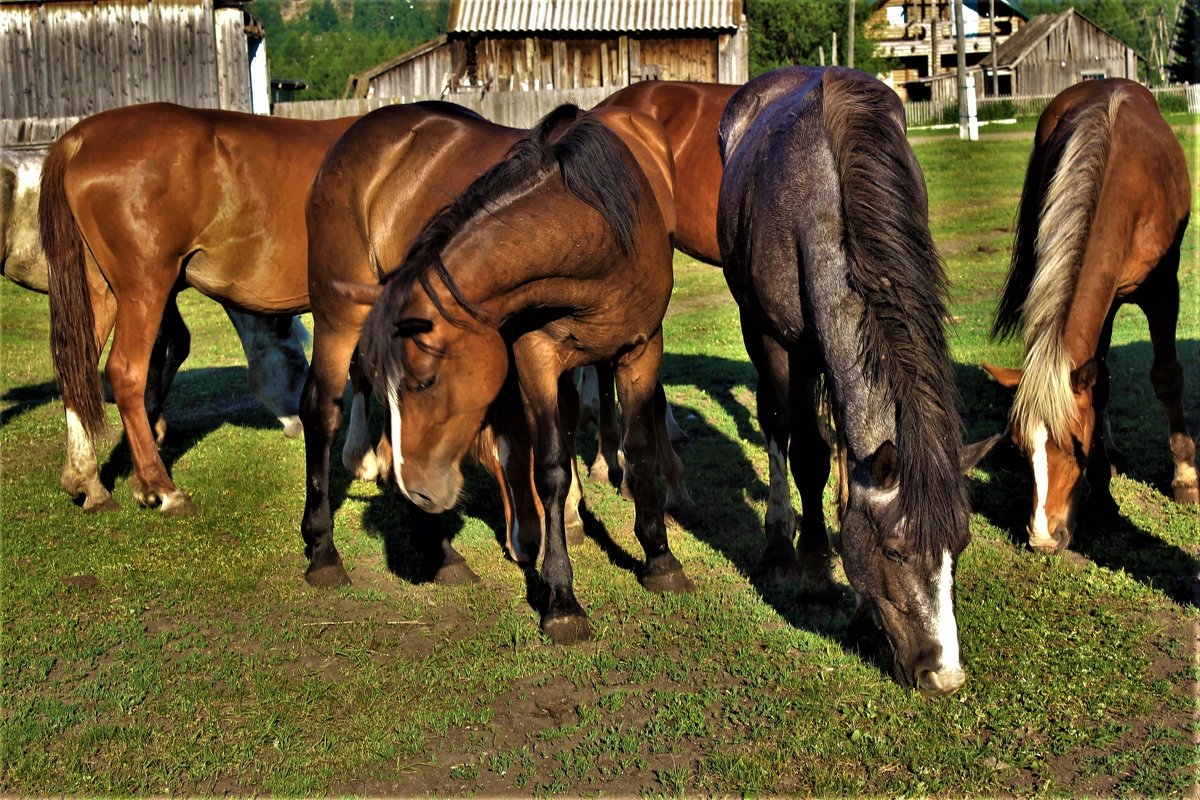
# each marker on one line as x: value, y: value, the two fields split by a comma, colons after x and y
x: 939, y: 112
x: 515, y: 109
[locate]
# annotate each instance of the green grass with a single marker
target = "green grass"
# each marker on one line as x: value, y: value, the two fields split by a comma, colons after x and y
x: 151, y: 656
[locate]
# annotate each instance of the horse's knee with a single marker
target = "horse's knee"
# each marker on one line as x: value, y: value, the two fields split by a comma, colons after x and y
x: 1167, y: 379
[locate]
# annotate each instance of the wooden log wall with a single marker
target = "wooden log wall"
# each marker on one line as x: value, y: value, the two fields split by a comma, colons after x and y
x: 515, y: 109
x: 75, y: 60
x: 1067, y: 54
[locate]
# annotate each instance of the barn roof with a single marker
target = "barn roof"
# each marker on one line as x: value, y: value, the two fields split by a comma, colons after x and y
x: 586, y: 16
x: 1013, y: 50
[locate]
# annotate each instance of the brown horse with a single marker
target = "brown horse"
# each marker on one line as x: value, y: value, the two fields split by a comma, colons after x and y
x: 690, y: 113
x: 1102, y: 216
x: 136, y: 203
x: 556, y: 257
x: 274, y: 345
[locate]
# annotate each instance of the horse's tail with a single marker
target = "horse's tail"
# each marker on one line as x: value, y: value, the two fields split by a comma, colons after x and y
x: 72, y: 320
x: 1061, y: 203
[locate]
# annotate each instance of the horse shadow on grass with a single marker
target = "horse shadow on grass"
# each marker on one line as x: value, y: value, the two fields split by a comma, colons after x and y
x: 1139, y: 426
x: 201, y: 401
x: 21, y: 400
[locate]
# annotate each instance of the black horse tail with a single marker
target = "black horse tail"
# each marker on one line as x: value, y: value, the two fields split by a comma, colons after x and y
x: 72, y: 320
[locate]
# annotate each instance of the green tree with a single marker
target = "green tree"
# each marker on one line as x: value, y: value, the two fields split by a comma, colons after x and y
x: 1186, y: 66
x: 788, y: 32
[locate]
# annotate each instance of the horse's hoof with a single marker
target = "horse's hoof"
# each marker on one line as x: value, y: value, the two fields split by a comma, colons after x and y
x: 455, y: 574
x: 626, y: 490
x: 567, y: 627
x: 675, y: 581
x: 685, y: 515
x: 100, y: 506
x: 177, y: 505
x: 574, y: 530
x: 1187, y: 493
x: 327, y: 577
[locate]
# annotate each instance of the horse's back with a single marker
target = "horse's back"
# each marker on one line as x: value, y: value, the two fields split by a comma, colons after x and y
x: 154, y: 186
x: 386, y: 177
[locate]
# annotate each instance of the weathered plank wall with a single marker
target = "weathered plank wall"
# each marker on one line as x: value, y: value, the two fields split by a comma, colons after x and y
x: 59, y: 60
x: 515, y: 109
x: 1068, y: 54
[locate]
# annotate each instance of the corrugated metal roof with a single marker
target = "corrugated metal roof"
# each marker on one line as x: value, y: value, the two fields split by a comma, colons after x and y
x: 495, y: 16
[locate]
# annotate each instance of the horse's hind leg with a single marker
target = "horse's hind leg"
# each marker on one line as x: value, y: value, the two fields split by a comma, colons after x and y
x: 607, y: 467
x: 568, y: 411
x: 171, y: 349
x: 128, y: 361
x: 679, y: 505
x: 1161, y: 306
x: 358, y: 453
x: 637, y: 384
x: 809, y: 455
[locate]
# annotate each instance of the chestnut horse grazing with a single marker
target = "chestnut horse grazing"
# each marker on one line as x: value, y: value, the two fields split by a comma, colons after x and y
x: 556, y: 257
x: 1102, y: 216
x: 825, y: 239
x: 137, y: 202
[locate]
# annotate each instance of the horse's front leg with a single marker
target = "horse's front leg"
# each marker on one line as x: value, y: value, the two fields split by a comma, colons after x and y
x: 563, y: 619
x: 321, y: 414
x: 637, y: 381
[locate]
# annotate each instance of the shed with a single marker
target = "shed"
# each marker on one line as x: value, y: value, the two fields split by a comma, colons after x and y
x: 1054, y: 51
x: 71, y: 59
x: 524, y: 45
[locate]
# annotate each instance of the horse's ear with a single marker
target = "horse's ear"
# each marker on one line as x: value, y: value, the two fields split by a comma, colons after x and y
x: 362, y: 293
x: 1005, y: 376
x: 970, y: 455
x: 885, y: 466
x: 1084, y: 376
x: 411, y: 326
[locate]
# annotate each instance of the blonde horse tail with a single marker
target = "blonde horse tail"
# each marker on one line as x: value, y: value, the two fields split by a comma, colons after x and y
x: 72, y: 319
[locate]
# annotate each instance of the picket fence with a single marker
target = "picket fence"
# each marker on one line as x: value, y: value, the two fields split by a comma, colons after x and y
x: 935, y: 112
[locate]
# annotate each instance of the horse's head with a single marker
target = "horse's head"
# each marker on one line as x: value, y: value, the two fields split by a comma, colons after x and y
x: 906, y: 586
x: 437, y: 377
x: 1057, y: 463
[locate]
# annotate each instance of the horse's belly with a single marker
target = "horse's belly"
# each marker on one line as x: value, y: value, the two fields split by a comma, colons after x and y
x: 260, y: 290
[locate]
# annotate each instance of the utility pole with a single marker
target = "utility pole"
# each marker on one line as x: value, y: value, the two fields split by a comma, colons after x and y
x: 992, y: 34
x: 967, y: 127
x: 850, y: 37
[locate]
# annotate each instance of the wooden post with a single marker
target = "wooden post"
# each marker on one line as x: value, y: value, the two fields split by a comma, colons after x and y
x: 992, y: 34
x: 850, y: 37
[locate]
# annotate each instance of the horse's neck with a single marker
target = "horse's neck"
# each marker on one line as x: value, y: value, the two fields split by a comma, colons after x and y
x: 866, y: 415
x: 518, y: 255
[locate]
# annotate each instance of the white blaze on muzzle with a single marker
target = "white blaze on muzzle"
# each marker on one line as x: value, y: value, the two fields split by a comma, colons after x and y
x: 1040, y: 529
x: 397, y: 447
x: 945, y: 626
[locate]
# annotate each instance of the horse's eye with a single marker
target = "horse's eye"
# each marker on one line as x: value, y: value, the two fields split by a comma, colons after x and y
x: 894, y: 555
x: 425, y: 384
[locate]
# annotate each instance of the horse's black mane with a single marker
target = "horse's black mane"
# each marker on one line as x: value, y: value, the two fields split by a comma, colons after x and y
x: 587, y: 157
x: 895, y: 267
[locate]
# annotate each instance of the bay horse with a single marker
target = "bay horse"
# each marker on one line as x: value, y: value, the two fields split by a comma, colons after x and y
x: 555, y: 257
x: 274, y: 345
x: 1101, y: 220
x: 137, y: 203
x: 823, y: 224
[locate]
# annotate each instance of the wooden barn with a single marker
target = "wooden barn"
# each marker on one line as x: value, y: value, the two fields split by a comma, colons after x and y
x: 533, y: 45
x: 71, y: 59
x: 1054, y: 51
x: 919, y: 36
